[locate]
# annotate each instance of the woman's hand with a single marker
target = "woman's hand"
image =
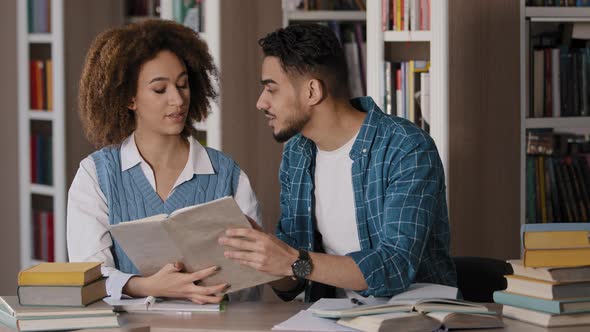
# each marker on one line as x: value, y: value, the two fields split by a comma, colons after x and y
x: 171, y: 282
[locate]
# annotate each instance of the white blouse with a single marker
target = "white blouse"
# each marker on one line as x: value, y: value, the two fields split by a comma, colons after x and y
x: 88, y: 237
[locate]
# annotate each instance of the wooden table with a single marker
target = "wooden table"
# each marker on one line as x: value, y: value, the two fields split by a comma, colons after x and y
x: 258, y: 316
x: 262, y: 316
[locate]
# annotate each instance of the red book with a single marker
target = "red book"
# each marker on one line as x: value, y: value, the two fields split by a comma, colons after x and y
x: 50, y: 237
x: 33, y: 84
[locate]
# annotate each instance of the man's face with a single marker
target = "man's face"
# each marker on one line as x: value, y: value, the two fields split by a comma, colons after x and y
x: 281, y: 101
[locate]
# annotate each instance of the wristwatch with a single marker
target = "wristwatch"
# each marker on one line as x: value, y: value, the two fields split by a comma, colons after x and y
x: 302, y: 266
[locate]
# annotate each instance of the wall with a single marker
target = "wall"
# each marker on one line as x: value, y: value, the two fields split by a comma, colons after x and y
x: 246, y: 136
x: 485, y: 124
x: 9, y: 226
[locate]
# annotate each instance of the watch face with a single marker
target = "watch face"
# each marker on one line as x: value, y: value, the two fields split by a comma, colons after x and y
x: 302, y: 268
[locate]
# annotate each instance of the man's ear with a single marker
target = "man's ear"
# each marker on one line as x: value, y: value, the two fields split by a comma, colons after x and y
x: 316, y: 92
x: 132, y: 106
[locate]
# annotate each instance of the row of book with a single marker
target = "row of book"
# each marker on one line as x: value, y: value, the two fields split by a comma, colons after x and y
x: 407, y: 91
x: 41, y: 85
x: 39, y: 16
x: 557, y: 188
x: 558, y: 3
x: 58, y: 296
x: 41, y: 158
x: 352, y: 38
x: 405, y: 15
x: 308, y: 5
x: 551, y: 285
x: 560, y: 79
x: 190, y: 13
x: 43, y: 235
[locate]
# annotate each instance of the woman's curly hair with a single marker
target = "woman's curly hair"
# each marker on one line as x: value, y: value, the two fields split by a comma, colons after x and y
x: 111, y: 71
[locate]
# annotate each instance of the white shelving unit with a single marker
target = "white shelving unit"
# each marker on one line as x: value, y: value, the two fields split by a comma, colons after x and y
x: 211, y: 34
x: 439, y: 50
x: 575, y: 124
x: 54, y: 118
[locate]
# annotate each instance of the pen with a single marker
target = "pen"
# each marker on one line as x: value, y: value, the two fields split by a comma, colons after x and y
x: 356, y: 301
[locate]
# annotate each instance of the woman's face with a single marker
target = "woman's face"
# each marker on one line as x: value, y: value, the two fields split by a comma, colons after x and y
x: 163, y: 96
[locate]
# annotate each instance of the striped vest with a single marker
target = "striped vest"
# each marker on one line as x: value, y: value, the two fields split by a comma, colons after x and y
x: 130, y: 196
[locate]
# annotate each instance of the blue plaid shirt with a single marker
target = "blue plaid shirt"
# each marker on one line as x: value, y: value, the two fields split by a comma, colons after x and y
x: 400, y: 203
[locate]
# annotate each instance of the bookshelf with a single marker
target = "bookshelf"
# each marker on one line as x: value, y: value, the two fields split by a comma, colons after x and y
x: 210, y: 32
x: 404, y: 45
x: 45, y: 46
x: 538, y: 111
x: 51, y: 143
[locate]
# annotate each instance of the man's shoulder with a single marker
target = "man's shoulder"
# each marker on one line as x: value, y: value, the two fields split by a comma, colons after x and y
x: 400, y: 133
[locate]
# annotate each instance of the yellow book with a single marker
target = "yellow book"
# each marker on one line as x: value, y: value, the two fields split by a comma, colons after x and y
x: 72, y: 274
x: 557, y: 257
x: 49, y: 83
x: 557, y: 239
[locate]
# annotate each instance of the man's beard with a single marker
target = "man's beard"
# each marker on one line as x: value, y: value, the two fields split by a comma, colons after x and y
x: 294, y: 127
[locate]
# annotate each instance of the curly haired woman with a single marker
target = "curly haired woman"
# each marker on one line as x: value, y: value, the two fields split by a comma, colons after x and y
x: 142, y: 88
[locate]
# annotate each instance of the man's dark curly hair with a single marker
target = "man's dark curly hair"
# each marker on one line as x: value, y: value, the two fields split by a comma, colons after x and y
x: 111, y: 71
x: 310, y: 49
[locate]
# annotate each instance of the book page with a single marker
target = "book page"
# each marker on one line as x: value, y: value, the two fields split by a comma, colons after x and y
x: 190, y: 235
x: 147, y: 244
x: 196, y: 231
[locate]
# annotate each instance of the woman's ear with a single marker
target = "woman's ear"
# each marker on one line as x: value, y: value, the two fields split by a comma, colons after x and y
x: 132, y: 106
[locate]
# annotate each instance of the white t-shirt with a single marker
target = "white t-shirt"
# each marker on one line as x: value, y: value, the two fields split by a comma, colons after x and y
x: 334, y: 203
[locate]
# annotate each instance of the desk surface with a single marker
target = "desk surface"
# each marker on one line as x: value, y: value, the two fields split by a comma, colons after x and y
x: 261, y: 316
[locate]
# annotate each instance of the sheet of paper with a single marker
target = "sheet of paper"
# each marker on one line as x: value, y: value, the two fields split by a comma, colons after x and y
x: 343, y: 303
x: 190, y: 236
x: 306, y: 321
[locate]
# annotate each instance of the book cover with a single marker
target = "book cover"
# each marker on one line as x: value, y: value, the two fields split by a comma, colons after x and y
x: 189, y: 235
x: 556, y: 257
x: 75, y: 274
x: 546, y: 289
x: 545, y: 319
x: 557, y: 307
x: 553, y: 274
x: 62, y: 295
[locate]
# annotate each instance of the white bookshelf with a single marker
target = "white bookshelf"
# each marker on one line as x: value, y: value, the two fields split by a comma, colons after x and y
x: 323, y: 15
x: 54, y: 118
x: 574, y: 124
x: 438, y: 44
x: 211, y: 34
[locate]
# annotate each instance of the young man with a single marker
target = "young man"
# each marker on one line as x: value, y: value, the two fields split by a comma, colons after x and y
x: 363, y: 204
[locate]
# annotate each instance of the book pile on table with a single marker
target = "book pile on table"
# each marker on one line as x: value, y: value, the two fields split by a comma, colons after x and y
x: 551, y: 285
x: 58, y: 296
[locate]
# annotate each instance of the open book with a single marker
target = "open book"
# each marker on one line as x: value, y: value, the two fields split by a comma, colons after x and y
x: 189, y: 235
x: 415, y: 321
x: 418, y: 305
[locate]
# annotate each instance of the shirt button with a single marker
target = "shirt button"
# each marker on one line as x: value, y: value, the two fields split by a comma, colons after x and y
x: 308, y: 208
x: 364, y: 150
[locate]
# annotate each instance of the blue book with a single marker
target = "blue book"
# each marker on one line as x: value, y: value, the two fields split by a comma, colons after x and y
x: 558, y: 307
x: 556, y: 227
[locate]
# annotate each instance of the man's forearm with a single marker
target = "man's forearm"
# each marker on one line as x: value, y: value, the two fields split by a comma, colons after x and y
x: 337, y: 271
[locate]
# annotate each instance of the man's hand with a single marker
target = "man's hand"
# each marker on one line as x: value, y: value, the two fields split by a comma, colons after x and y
x: 259, y: 250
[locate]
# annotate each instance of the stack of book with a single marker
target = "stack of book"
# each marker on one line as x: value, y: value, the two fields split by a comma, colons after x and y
x: 551, y: 285
x: 61, y: 284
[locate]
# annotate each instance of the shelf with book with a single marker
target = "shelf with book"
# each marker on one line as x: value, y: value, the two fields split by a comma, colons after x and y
x: 558, y: 123
x: 407, y: 36
x: 555, y: 114
x: 348, y: 21
x: 41, y: 128
x: 52, y: 38
x: 400, y: 38
x: 203, y: 17
x: 324, y: 15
